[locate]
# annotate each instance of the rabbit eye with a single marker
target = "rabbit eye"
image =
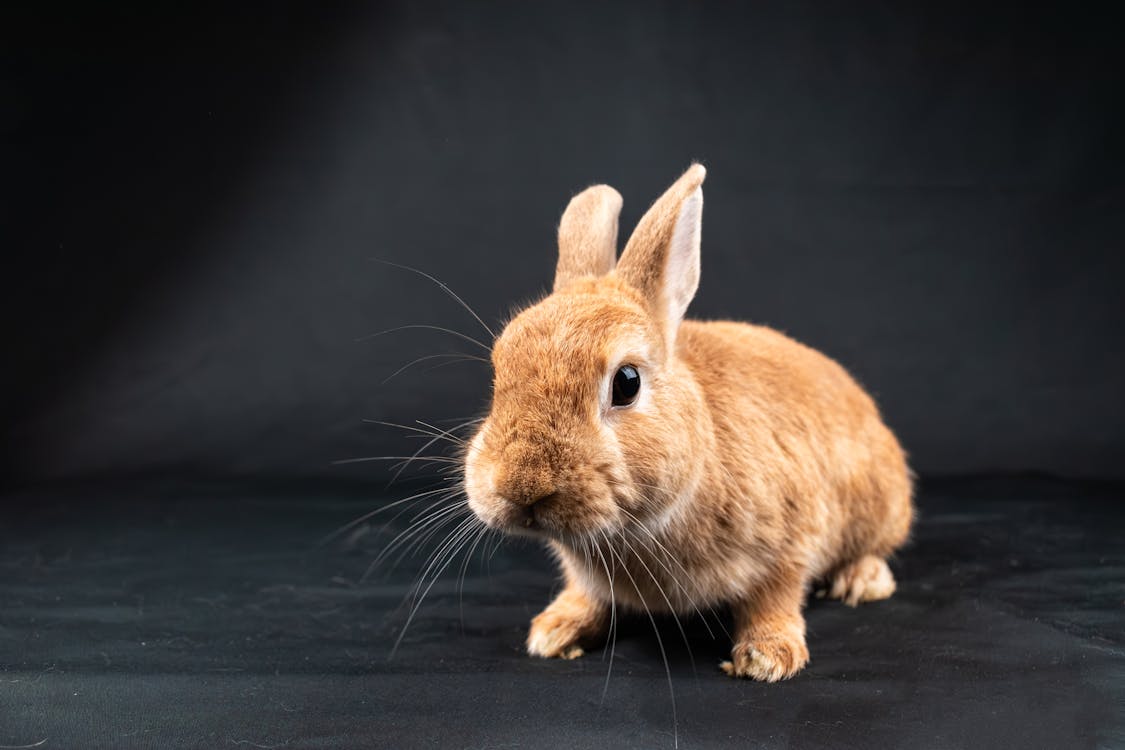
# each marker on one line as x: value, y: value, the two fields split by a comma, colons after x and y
x: 626, y: 384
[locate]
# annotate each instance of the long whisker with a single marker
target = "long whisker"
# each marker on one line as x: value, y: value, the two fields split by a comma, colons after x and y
x: 421, y: 531
x: 429, y: 327
x: 663, y: 653
x: 663, y: 559
x: 496, y: 547
x: 448, y: 543
x: 459, y: 535
x: 449, y: 471
x: 434, y: 437
x: 431, y: 432
x: 439, y: 365
x: 431, y: 515
x: 463, y: 420
x: 458, y: 357
x: 612, y: 617
x: 439, y: 459
x: 668, y: 556
x: 436, y: 554
x: 371, y: 514
x: 447, y: 434
x: 444, y: 288
x: 464, y: 569
x: 679, y: 626
x: 420, y: 541
x: 399, y: 468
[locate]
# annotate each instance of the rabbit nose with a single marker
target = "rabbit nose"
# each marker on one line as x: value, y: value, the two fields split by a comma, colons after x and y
x: 539, y: 497
x: 524, y: 477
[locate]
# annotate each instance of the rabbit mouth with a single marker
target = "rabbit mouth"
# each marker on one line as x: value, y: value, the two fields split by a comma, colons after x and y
x: 553, y: 517
x: 514, y: 519
x: 527, y: 519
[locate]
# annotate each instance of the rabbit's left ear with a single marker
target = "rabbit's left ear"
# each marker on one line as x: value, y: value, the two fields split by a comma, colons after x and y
x: 588, y: 235
x: 661, y: 259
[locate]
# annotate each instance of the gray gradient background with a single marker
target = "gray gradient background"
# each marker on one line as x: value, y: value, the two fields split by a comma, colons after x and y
x: 931, y: 195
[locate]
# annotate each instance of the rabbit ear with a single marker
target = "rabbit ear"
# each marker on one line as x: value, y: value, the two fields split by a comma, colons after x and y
x: 661, y: 259
x: 588, y: 235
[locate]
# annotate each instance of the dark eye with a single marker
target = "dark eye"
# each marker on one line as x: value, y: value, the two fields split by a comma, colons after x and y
x: 626, y: 384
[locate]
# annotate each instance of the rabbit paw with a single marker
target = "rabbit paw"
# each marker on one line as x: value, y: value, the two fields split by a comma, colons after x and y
x: 769, y: 659
x: 865, y: 580
x: 554, y: 636
x: 558, y: 630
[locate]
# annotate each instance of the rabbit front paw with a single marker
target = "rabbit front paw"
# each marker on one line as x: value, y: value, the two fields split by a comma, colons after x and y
x: 553, y: 636
x: 557, y: 632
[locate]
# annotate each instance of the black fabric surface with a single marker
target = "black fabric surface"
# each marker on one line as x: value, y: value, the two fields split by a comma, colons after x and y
x: 208, y: 616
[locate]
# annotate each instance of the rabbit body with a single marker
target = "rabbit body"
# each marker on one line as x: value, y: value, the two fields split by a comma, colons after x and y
x: 746, y: 467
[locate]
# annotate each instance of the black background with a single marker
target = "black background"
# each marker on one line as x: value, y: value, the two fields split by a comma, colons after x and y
x: 194, y: 199
x: 194, y: 195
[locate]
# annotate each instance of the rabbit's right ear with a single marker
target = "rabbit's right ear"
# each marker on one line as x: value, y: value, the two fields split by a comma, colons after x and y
x: 661, y: 259
x: 588, y: 235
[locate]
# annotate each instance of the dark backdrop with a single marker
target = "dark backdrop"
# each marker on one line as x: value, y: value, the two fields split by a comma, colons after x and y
x: 193, y: 197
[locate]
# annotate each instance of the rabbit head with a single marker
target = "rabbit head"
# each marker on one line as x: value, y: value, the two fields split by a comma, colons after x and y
x: 594, y: 423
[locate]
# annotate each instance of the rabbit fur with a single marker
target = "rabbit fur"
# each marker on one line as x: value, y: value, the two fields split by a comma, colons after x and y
x: 749, y: 467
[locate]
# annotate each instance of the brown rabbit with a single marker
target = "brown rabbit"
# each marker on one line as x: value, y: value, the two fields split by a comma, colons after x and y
x: 675, y: 465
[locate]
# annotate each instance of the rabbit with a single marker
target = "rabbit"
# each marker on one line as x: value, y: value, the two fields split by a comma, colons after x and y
x: 673, y: 465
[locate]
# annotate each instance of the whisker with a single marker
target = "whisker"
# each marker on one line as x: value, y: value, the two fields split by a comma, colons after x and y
x: 447, y: 434
x: 420, y: 542
x: 663, y: 653
x: 439, y: 459
x: 439, y: 365
x: 455, y: 359
x: 447, y: 543
x: 492, y: 537
x: 496, y: 547
x: 444, y: 288
x: 679, y: 626
x: 432, y: 514
x: 371, y: 514
x: 401, y: 467
x: 418, y: 603
x: 430, y: 327
x: 612, y: 636
x: 668, y: 556
x: 463, y: 421
x: 464, y: 569
x: 435, y: 432
x: 434, y: 437
x: 414, y: 543
x: 448, y: 472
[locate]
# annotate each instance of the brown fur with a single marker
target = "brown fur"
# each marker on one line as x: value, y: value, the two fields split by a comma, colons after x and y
x: 749, y: 467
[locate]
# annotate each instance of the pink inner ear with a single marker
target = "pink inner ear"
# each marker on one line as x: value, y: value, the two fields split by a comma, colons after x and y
x: 681, y: 276
x: 645, y: 264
